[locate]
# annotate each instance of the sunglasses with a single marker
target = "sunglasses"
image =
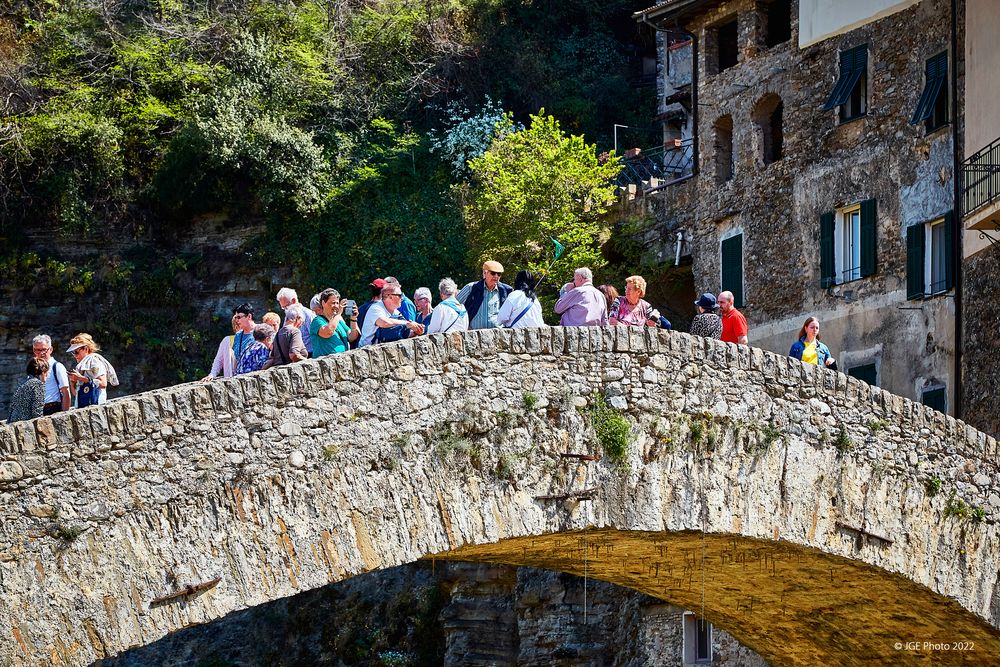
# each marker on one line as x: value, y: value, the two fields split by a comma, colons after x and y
x: 495, y: 273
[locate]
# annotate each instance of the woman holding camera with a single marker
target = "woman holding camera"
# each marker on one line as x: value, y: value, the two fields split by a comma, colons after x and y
x: 330, y: 332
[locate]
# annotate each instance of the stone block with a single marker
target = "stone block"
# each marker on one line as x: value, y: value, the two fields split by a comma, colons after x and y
x: 244, y: 390
x: 98, y: 421
x: 183, y: 403
x: 24, y: 437
x: 219, y: 394
x: 8, y: 443
x: 282, y: 383
x: 314, y: 376
x: 298, y: 380
x: 327, y: 369
x: 514, y: 340
x: 201, y: 399
x: 344, y: 367
x: 362, y: 364
x: 488, y: 346
x: 166, y: 402
x: 82, y: 429
x: 45, y: 433
x: 545, y: 340
x: 558, y: 344
x: 150, y: 407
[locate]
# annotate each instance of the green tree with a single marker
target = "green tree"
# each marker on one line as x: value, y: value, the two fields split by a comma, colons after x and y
x: 535, y: 184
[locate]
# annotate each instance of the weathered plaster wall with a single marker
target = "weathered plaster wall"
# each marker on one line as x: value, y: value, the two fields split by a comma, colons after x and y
x: 981, y: 322
x: 775, y: 492
x: 825, y: 166
x: 982, y: 74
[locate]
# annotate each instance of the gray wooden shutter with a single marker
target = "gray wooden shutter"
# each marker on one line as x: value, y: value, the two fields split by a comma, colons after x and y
x: 869, y: 231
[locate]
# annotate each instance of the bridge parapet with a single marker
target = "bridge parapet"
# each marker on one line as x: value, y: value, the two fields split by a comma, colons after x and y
x: 295, y: 477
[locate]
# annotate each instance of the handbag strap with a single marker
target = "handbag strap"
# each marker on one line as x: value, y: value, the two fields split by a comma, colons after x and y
x: 523, y: 313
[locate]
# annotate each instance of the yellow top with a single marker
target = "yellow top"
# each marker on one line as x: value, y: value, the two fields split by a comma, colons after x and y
x: 809, y: 355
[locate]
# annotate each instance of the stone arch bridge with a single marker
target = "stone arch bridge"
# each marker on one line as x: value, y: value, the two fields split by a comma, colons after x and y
x: 817, y: 519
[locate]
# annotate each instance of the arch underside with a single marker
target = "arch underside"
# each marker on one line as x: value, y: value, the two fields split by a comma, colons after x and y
x: 791, y: 604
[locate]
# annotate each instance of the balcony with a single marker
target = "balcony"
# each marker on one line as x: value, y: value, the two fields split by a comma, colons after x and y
x: 647, y: 170
x: 981, y: 189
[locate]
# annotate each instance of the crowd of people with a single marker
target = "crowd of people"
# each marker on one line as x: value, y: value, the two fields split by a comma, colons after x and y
x: 332, y: 324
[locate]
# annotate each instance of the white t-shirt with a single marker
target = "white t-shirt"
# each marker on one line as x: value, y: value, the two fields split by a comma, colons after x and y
x: 57, y: 379
x: 444, y: 318
x: 514, y: 305
x: 376, y: 312
x: 92, y: 367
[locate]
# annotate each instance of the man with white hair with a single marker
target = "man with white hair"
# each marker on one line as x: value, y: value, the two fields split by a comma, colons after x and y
x: 581, y: 304
x: 287, y: 297
x: 422, y: 299
x: 449, y: 314
x: 734, y: 325
x: 57, y: 382
x: 287, y: 346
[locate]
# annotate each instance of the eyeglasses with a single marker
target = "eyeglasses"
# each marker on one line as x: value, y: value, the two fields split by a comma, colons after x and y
x: 495, y: 273
x: 238, y: 317
x: 399, y: 294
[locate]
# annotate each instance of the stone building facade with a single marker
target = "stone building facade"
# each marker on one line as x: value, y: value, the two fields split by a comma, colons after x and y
x: 825, y: 178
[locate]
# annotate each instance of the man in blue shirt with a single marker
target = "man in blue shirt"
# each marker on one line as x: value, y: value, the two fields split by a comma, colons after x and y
x: 483, y: 298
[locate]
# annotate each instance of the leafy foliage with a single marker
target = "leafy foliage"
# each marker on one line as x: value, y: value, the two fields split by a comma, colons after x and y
x: 535, y: 184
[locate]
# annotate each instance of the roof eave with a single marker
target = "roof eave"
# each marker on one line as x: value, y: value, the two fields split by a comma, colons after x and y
x: 671, y: 10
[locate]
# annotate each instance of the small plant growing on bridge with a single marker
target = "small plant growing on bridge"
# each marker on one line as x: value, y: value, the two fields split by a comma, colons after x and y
x: 978, y: 514
x: 843, y: 442
x: 613, y: 431
x: 877, y: 425
x: 530, y: 401
x: 330, y: 452
x: 769, y: 435
x: 697, y: 432
x: 67, y: 533
x: 933, y: 486
x: 957, y: 507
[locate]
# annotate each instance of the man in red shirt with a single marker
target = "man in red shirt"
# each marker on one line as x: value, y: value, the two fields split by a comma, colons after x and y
x: 734, y: 325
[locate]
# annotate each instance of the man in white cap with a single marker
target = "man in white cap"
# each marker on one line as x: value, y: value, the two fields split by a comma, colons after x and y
x: 483, y: 298
x: 287, y: 297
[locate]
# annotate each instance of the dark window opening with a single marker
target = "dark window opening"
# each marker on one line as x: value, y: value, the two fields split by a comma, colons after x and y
x: 727, y: 45
x: 767, y: 115
x: 850, y: 93
x: 703, y: 652
x: 779, y: 22
x: 724, y: 164
x: 935, y: 398
x: 932, y: 109
x: 867, y: 373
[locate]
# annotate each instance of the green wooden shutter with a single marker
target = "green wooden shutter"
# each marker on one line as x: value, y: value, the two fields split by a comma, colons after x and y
x: 915, y: 262
x: 949, y: 248
x: 868, y: 234
x: 827, y: 261
x: 732, y: 268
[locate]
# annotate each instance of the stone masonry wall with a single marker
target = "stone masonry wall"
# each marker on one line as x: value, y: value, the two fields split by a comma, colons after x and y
x: 825, y: 165
x: 286, y: 480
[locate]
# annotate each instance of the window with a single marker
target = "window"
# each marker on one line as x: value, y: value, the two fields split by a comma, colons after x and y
x: 851, y: 92
x: 847, y: 244
x: 929, y: 261
x: 697, y: 640
x: 779, y: 22
x: 724, y: 164
x: 767, y: 116
x: 936, y: 398
x: 932, y: 109
x: 732, y: 267
x: 866, y: 372
x: 725, y: 36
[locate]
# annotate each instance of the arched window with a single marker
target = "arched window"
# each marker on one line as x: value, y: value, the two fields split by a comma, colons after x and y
x: 767, y: 116
x: 725, y: 164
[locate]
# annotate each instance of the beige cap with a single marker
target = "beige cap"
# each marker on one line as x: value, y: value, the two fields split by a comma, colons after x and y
x: 490, y: 265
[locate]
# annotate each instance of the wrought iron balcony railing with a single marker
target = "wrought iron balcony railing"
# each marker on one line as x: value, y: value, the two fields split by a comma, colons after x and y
x: 981, y: 177
x: 656, y: 167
